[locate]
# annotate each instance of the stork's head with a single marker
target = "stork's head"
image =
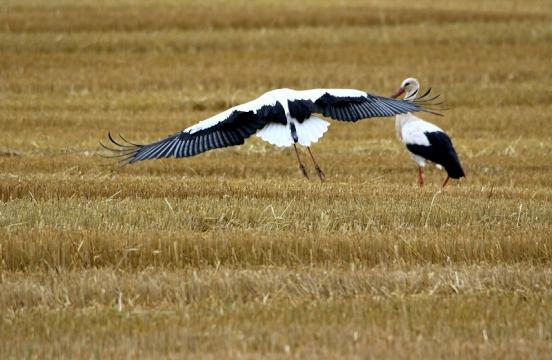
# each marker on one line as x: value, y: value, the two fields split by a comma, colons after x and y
x: 409, y: 87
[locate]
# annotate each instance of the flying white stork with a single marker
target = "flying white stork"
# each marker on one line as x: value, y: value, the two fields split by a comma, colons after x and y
x: 424, y: 140
x: 282, y: 117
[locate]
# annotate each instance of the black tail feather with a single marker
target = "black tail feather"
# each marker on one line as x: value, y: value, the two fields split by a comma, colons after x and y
x: 453, y: 167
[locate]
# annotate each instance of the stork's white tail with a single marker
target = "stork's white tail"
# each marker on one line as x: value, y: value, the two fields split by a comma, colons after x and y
x: 276, y: 134
x: 311, y: 130
x: 308, y: 132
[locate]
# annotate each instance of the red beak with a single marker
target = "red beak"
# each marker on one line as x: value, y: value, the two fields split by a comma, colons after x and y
x: 398, y: 93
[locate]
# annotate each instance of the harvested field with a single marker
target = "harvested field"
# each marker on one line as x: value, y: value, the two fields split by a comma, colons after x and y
x: 232, y: 253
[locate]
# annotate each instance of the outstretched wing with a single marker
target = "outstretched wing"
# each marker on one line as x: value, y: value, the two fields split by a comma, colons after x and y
x: 228, y: 128
x: 354, y: 105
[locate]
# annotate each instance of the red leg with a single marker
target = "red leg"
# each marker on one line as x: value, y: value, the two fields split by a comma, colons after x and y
x: 319, y: 171
x: 301, y: 166
x: 421, y: 176
x: 446, y: 181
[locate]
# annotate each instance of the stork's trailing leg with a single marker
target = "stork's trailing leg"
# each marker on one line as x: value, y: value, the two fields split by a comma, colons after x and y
x: 301, y: 166
x: 319, y: 171
x: 421, y: 176
x: 446, y: 181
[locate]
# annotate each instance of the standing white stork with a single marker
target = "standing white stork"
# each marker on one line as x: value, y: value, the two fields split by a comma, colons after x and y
x: 282, y: 117
x: 424, y: 140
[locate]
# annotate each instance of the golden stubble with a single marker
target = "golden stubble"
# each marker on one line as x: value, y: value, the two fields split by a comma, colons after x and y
x: 232, y: 253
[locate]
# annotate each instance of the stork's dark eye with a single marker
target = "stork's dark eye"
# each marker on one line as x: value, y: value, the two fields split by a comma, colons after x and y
x: 406, y: 84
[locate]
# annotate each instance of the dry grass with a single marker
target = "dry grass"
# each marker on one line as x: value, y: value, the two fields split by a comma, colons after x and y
x: 232, y: 253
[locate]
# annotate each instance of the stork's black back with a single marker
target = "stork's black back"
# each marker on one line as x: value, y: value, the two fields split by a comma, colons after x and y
x: 440, y: 151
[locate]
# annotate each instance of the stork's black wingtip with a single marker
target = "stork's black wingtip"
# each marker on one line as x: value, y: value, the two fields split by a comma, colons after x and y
x: 106, y: 147
x: 129, y: 142
x: 433, y: 112
x: 121, y: 151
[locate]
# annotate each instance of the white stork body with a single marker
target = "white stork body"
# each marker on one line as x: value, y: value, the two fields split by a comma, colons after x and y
x: 308, y: 131
x: 282, y: 117
x: 424, y: 140
x: 412, y: 130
